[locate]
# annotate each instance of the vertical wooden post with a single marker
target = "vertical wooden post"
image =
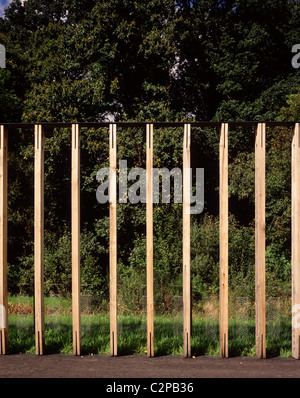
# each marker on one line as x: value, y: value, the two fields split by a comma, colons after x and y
x: 187, y: 313
x: 39, y: 239
x: 3, y: 242
x: 149, y: 233
x: 75, y: 217
x: 224, y: 240
x: 296, y: 239
x: 113, y: 240
x: 260, y: 240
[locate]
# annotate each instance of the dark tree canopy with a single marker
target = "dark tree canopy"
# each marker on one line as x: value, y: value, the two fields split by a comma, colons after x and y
x: 159, y: 60
x: 79, y: 60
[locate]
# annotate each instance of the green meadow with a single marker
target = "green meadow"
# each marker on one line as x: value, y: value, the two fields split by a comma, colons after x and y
x: 132, y: 338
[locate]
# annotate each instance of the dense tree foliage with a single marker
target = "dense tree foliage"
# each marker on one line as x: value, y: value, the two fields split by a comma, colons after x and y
x: 160, y: 60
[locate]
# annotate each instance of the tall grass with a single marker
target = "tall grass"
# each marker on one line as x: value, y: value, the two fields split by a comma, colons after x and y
x: 132, y: 336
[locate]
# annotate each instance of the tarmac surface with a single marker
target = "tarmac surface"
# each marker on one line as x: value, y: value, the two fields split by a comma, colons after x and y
x: 105, y: 367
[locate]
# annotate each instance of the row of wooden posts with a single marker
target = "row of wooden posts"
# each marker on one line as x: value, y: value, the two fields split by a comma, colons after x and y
x: 260, y: 140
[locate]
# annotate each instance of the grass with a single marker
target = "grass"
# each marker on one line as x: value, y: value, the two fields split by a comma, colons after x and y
x: 132, y: 338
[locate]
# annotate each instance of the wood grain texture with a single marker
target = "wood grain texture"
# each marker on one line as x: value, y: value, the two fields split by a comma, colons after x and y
x: 113, y: 240
x: 260, y: 199
x: 149, y: 235
x: 3, y: 242
x: 223, y: 208
x: 296, y: 239
x: 186, y: 227
x: 75, y: 225
x: 39, y: 240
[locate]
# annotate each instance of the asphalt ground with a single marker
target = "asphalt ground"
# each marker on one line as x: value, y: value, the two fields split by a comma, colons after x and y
x: 132, y: 366
x: 141, y: 375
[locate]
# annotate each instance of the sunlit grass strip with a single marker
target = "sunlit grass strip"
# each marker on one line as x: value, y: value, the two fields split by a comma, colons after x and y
x: 132, y: 338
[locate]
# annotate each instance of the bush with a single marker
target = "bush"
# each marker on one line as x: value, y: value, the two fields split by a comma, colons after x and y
x: 205, y: 257
x: 57, y: 267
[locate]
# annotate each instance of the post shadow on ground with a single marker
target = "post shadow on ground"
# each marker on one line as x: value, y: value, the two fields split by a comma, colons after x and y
x: 132, y: 338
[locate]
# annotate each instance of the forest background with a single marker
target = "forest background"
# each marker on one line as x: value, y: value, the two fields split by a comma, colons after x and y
x: 160, y: 60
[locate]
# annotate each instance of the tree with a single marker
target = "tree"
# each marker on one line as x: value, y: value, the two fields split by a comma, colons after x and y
x: 159, y: 60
